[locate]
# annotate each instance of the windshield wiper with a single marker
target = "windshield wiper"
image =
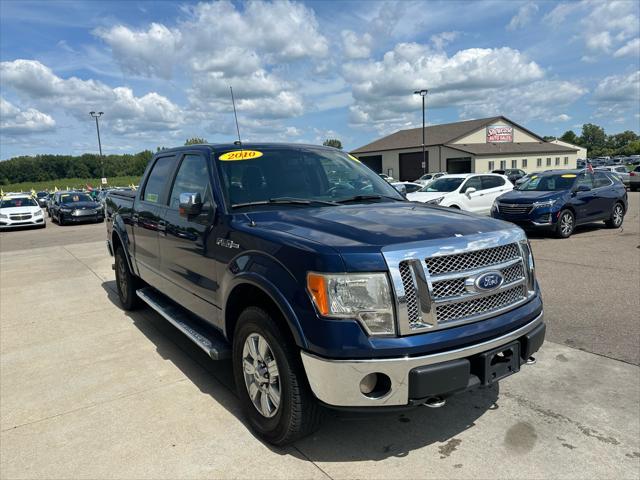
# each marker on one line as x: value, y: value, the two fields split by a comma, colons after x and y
x: 284, y: 200
x: 358, y: 198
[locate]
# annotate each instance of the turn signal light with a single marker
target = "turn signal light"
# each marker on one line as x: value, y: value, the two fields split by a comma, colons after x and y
x: 318, y: 288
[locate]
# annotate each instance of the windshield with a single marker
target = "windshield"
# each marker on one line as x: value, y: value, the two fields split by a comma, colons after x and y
x: 443, y: 184
x: 41, y: 194
x: 18, y: 202
x: 75, y: 197
x: 425, y: 177
x: 304, y: 174
x: 548, y: 183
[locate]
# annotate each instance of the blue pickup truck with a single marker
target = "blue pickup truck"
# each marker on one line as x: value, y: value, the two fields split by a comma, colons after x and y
x: 321, y: 283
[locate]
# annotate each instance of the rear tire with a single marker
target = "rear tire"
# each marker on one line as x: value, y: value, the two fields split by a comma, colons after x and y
x: 566, y: 224
x: 126, y: 282
x: 297, y: 412
x: 617, y: 216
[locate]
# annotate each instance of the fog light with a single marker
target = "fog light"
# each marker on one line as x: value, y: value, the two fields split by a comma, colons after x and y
x: 375, y: 385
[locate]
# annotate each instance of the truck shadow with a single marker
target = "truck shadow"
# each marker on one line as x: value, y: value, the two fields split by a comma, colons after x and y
x: 342, y: 436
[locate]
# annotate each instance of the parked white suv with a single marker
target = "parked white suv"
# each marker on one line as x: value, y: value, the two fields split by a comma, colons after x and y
x: 20, y: 211
x: 470, y: 191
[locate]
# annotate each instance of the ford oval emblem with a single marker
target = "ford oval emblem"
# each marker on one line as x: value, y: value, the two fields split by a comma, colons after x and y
x: 489, y: 281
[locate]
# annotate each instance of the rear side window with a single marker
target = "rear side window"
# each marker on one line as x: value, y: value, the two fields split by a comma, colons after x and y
x: 474, y: 182
x: 601, y: 180
x: 585, y: 180
x: 157, y: 179
x: 192, y: 177
x: 492, y: 182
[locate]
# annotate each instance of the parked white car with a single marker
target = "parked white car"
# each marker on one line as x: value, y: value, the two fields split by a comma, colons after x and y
x: 470, y: 191
x: 20, y: 211
x: 429, y: 177
x: 407, y: 187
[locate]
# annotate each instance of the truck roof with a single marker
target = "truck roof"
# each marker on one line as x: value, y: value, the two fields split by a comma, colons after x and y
x: 216, y: 147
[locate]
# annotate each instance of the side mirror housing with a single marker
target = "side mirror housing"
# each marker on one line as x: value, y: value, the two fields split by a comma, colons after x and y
x: 469, y: 190
x: 190, y: 204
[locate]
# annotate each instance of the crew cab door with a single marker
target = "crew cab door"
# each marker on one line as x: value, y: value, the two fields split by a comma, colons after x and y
x: 147, y: 220
x: 187, y: 242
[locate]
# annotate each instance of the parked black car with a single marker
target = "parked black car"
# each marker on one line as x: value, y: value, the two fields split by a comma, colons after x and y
x: 561, y: 199
x: 513, y: 174
x: 75, y: 207
x: 42, y: 198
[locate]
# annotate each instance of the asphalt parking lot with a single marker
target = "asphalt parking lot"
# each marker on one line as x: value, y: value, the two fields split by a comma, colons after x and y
x: 90, y: 391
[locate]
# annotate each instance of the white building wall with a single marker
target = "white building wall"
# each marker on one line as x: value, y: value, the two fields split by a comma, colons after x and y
x: 582, y: 152
x: 482, y: 164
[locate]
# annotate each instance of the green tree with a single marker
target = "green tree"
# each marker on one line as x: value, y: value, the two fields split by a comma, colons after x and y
x: 593, y: 137
x: 570, y: 137
x: 195, y: 141
x: 333, y: 142
x: 548, y: 138
x: 621, y: 140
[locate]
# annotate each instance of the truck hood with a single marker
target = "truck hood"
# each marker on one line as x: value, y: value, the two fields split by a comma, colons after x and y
x: 365, y: 228
x: 522, y: 196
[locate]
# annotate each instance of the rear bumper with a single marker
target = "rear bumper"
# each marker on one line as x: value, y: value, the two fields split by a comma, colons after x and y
x: 337, y: 382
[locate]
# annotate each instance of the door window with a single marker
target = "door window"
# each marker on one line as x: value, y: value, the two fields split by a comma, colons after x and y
x: 601, y: 180
x: 492, y: 182
x: 474, y: 182
x: 192, y: 177
x: 585, y: 180
x: 158, y: 179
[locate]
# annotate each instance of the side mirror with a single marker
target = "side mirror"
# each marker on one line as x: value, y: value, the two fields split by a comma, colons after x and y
x: 469, y: 191
x: 190, y: 204
x: 583, y: 188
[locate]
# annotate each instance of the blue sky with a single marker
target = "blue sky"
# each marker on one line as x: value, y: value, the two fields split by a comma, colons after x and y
x: 303, y: 72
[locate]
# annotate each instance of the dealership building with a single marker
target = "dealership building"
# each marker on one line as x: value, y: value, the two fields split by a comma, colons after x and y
x: 472, y: 146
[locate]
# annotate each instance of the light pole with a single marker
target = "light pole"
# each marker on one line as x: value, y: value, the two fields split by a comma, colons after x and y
x: 97, y: 116
x: 423, y: 94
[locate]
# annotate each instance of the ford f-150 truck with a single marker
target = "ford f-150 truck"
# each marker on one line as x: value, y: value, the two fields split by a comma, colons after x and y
x: 323, y: 285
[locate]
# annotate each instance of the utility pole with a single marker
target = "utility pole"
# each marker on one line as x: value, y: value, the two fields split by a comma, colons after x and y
x: 423, y: 94
x: 97, y: 116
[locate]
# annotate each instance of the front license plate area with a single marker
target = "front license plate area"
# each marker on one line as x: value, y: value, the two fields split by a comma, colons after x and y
x: 499, y: 363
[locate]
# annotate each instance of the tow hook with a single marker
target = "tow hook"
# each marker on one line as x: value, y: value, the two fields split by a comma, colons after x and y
x: 531, y: 360
x: 435, y: 402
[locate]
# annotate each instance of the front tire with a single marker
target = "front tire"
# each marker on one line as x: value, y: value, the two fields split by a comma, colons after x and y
x: 126, y: 282
x: 61, y: 221
x: 270, y: 380
x: 566, y: 224
x: 617, y: 216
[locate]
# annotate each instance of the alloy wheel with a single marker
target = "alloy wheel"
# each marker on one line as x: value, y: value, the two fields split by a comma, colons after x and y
x: 566, y: 224
x: 617, y: 215
x: 122, y: 278
x: 261, y: 375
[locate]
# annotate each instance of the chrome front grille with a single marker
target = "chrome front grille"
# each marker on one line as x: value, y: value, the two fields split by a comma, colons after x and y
x: 20, y: 216
x: 438, y: 285
x: 454, y: 311
x: 514, y: 208
x: 467, y: 261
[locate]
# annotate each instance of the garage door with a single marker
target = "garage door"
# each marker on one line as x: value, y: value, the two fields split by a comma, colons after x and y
x: 374, y: 162
x: 411, y: 166
x: 459, y: 165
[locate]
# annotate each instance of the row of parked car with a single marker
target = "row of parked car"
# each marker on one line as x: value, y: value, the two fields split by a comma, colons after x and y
x: 554, y: 200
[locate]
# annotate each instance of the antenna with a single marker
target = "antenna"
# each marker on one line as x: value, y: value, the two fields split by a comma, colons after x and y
x: 233, y: 101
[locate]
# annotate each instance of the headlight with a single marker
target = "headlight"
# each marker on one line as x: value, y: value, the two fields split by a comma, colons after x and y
x: 364, y: 296
x: 435, y: 201
x: 2, y: 215
x: 37, y: 213
x: 543, y: 204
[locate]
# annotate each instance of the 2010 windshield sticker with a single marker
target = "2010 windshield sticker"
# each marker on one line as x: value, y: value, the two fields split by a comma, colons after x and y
x: 240, y: 155
x: 569, y: 175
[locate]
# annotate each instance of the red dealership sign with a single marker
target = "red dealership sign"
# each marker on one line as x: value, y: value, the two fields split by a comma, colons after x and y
x: 499, y: 134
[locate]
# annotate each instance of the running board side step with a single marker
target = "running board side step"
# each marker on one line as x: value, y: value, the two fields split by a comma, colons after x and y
x: 204, y: 337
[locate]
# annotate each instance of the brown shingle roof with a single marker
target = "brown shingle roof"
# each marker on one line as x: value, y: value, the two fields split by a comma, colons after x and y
x: 435, y: 135
x: 511, y: 148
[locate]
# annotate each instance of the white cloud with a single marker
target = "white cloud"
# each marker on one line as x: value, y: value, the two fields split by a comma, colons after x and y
x: 599, y: 42
x: 525, y: 14
x: 14, y: 121
x: 619, y: 89
x: 126, y: 112
x: 631, y: 48
x: 383, y: 90
x: 563, y: 117
x: 356, y: 46
x: 442, y: 39
x: 152, y: 52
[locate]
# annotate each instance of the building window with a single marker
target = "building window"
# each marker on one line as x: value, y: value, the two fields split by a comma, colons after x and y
x: 566, y: 160
x: 503, y: 164
x: 557, y: 160
x: 514, y: 163
x: 548, y: 161
x: 524, y: 163
x: 539, y: 162
x: 492, y: 164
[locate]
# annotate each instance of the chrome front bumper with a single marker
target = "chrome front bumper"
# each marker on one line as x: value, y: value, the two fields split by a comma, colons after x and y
x: 337, y: 382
